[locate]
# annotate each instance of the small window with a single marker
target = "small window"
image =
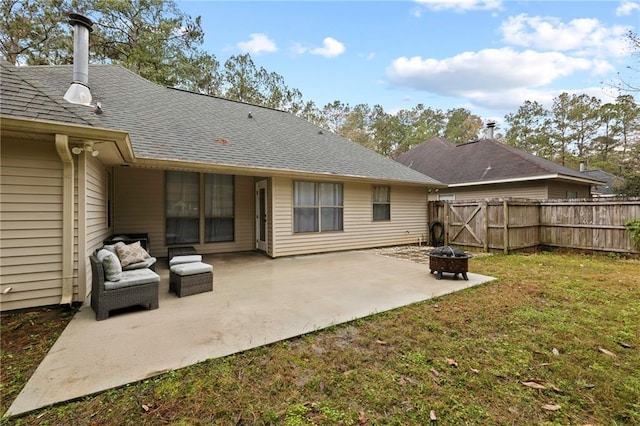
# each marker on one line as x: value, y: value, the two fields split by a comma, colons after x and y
x: 446, y: 197
x: 317, y: 207
x: 572, y: 194
x: 381, y: 203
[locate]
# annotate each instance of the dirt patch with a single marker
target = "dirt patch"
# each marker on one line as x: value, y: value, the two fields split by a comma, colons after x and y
x: 414, y: 253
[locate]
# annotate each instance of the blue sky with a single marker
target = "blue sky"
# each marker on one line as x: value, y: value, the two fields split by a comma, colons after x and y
x: 485, y: 55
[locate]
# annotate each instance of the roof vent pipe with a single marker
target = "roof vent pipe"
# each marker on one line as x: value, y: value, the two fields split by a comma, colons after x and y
x: 582, y: 168
x: 490, y: 126
x: 78, y: 92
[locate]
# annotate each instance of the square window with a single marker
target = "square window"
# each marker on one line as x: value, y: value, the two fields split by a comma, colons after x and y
x: 317, y: 207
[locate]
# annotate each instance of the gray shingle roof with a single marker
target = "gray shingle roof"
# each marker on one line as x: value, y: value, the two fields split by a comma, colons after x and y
x: 26, y: 100
x: 171, y: 124
x: 610, y: 181
x: 482, y: 160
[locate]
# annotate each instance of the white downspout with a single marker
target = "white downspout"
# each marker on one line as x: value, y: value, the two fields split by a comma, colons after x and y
x: 62, y: 146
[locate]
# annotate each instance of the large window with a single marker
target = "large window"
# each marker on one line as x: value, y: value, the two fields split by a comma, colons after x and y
x: 317, y: 207
x: 219, y: 208
x: 381, y: 203
x: 182, y: 207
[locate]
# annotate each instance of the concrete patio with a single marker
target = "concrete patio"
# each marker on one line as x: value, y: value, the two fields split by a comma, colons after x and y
x: 255, y: 301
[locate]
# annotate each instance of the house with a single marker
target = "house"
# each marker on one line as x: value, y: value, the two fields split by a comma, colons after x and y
x: 609, y: 185
x: 185, y: 168
x: 486, y: 169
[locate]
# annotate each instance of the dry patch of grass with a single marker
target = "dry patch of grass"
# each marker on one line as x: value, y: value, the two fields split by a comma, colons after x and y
x: 555, y: 340
x: 25, y: 338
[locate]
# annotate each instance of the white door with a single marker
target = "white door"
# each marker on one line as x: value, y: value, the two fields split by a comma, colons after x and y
x: 261, y: 215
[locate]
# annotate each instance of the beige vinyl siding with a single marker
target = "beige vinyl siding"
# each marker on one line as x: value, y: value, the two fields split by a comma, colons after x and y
x: 95, y: 218
x: 407, y: 225
x: 30, y: 224
x: 139, y: 205
x: 558, y: 190
x: 139, y: 208
x: 533, y: 190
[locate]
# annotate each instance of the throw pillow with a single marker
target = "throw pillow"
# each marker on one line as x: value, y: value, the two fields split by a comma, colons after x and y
x: 110, y: 264
x: 112, y: 247
x: 131, y: 253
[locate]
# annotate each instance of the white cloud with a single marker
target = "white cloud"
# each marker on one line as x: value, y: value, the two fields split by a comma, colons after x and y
x: 500, y: 79
x: 586, y: 36
x: 487, y: 70
x: 627, y: 7
x: 330, y: 48
x: 257, y: 44
x: 298, y: 49
x: 458, y: 5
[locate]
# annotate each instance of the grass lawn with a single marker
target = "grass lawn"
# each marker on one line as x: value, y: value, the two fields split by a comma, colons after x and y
x: 554, y: 341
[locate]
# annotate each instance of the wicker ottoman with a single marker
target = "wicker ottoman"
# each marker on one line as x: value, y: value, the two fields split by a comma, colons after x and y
x: 190, y: 278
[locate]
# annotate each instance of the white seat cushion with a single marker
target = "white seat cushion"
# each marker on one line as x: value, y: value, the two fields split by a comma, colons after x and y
x: 185, y: 259
x: 193, y: 268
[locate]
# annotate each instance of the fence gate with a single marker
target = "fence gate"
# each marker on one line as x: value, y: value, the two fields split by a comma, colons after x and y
x: 466, y: 224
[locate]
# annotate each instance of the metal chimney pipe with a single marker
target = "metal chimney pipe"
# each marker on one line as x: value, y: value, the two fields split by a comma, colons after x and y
x: 490, y: 126
x: 582, y: 168
x: 78, y: 92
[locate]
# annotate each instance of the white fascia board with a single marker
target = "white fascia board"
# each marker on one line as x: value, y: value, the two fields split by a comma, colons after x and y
x: 525, y: 179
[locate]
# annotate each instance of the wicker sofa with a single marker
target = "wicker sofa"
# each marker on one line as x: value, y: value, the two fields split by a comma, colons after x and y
x: 135, y: 287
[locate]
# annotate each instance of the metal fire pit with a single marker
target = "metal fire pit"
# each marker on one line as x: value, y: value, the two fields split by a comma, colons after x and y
x: 450, y: 260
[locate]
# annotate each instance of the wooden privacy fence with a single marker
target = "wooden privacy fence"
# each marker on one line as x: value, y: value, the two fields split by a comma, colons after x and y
x: 514, y: 224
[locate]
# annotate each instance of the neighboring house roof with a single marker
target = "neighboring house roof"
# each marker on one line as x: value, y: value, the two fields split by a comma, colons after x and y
x: 482, y: 162
x: 171, y: 124
x: 610, y: 180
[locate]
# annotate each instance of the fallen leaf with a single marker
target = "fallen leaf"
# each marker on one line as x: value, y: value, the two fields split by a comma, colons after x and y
x: 452, y: 362
x: 145, y: 407
x: 625, y: 345
x: 434, y: 372
x: 554, y: 388
x: 606, y: 352
x: 534, y: 385
x: 589, y: 386
x: 475, y: 371
x: 362, y: 418
x: 432, y: 416
x: 551, y: 407
x: 555, y: 351
x: 381, y: 342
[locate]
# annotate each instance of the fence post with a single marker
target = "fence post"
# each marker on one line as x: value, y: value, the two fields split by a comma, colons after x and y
x: 446, y: 223
x: 505, y: 226
x: 485, y: 209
